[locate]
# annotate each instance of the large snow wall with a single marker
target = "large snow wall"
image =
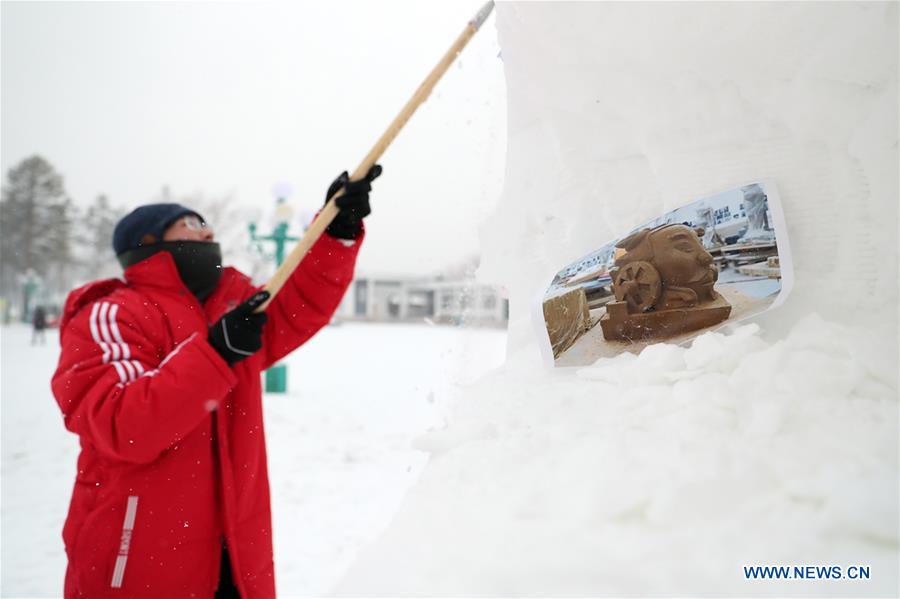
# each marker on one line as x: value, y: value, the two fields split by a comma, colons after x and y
x: 774, y: 442
x: 619, y: 112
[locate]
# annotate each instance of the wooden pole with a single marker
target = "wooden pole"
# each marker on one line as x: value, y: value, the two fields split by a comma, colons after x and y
x: 330, y: 211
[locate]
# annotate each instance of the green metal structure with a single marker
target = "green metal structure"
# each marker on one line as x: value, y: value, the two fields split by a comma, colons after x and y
x: 276, y: 376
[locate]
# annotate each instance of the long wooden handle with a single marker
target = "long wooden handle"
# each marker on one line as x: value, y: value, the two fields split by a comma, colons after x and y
x: 330, y: 211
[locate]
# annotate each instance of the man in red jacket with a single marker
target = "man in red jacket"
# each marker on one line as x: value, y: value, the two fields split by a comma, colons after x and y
x: 159, y: 376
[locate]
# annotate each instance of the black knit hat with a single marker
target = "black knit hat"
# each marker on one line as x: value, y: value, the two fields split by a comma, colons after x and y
x: 146, y: 224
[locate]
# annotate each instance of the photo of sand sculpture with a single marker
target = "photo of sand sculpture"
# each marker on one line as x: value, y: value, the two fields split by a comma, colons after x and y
x: 713, y: 261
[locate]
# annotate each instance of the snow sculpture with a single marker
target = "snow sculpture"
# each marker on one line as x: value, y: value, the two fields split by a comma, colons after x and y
x: 756, y: 205
x: 711, y: 237
x: 663, y: 285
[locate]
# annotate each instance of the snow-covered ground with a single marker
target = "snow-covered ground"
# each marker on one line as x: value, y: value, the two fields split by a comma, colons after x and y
x: 340, y: 446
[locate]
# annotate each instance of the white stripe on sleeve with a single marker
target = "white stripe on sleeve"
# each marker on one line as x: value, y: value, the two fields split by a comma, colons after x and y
x: 104, y: 329
x: 95, y: 332
x: 123, y: 378
x: 129, y: 368
x: 114, y: 328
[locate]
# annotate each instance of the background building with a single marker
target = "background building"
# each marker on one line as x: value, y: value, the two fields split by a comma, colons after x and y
x: 387, y: 298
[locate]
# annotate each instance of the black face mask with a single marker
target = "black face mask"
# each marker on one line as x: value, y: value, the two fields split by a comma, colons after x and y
x: 199, y: 263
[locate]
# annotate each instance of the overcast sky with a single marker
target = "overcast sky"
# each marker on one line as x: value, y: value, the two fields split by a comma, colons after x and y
x: 233, y: 98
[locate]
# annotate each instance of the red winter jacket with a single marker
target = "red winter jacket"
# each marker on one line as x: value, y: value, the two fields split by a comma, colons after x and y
x: 173, y: 456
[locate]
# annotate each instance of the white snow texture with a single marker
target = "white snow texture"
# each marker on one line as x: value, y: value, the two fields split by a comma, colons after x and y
x: 773, y: 443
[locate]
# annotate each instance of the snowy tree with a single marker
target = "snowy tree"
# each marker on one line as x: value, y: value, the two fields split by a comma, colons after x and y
x: 96, y: 226
x: 57, y: 248
x: 35, y: 225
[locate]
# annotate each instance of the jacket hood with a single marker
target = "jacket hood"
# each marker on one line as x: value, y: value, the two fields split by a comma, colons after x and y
x: 86, y: 294
x: 157, y: 271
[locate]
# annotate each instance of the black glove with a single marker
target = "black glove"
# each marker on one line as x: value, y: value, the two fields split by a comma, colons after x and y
x: 238, y: 334
x: 354, y: 204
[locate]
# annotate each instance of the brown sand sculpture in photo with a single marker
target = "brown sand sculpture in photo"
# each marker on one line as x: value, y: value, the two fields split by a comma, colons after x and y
x: 663, y: 283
